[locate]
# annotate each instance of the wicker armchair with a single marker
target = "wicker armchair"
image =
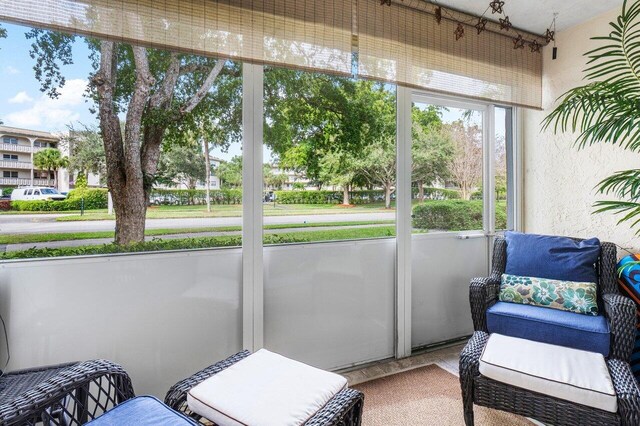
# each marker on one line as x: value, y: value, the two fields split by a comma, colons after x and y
x: 620, y: 313
x: 344, y: 409
x: 65, y: 394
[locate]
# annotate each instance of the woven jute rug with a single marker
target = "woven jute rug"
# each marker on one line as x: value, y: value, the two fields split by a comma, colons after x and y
x: 426, y: 395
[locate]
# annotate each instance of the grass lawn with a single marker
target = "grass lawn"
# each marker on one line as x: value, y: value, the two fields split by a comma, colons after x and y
x: 68, y: 236
x: 204, y: 242
x: 233, y: 210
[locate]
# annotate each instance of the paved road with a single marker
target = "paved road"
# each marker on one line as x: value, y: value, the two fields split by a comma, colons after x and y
x: 35, y: 224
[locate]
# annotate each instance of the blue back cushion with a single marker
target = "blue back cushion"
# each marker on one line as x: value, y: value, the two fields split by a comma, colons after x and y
x: 558, y: 258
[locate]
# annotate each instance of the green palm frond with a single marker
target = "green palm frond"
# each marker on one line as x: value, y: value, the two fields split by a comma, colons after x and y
x: 624, y: 184
x: 608, y: 108
x: 630, y: 211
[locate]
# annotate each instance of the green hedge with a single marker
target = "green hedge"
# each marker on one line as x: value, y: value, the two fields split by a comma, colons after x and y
x: 328, y: 197
x: 184, y: 197
x: 455, y: 215
x: 157, y: 244
x: 437, y: 193
x: 96, y: 198
x: 93, y: 199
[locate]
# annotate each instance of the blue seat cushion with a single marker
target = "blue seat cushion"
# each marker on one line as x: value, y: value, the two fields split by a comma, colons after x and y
x: 562, y: 328
x: 142, y: 411
x: 556, y: 258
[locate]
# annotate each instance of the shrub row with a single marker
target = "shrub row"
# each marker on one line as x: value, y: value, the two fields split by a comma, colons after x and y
x: 328, y: 197
x: 93, y: 199
x: 455, y: 215
x: 438, y: 193
x: 157, y: 244
x: 184, y: 197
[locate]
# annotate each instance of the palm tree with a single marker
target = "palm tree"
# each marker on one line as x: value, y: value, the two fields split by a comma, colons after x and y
x: 51, y: 160
x: 607, y: 109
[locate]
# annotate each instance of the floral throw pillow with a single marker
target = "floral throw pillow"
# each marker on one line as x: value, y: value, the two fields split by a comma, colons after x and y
x: 573, y: 296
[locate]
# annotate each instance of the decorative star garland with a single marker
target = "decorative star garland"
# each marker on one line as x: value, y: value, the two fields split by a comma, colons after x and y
x: 496, y: 6
x: 459, y: 32
x: 505, y: 24
x: 518, y: 42
x: 481, y: 25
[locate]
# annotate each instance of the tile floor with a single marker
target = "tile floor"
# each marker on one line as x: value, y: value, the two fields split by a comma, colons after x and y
x: 446, y: 358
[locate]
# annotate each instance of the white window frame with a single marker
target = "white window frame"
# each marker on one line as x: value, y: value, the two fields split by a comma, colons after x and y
x: 405, y: 99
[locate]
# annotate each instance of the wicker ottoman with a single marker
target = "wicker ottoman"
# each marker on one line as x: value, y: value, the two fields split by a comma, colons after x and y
x: 344, y: 409
x: 480, y: 390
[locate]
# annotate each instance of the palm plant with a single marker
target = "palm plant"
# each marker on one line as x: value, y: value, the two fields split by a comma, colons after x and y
x: 51, y: 160
x: 607, y: 109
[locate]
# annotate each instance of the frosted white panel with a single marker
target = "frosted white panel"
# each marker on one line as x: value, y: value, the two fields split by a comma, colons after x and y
x: 330, y: 304
x: 162, y: 316
x: 441, y: 268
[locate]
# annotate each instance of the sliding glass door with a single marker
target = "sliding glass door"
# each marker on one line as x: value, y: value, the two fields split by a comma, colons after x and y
x: 461, y: 192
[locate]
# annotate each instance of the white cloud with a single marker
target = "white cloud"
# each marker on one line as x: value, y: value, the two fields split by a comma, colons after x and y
x: 11, y: 70
x: 20, y: 98
x: 52, y: 114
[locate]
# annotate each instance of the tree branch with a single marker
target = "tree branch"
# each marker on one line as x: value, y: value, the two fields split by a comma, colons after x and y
x: 204, y: 89
x: 104, y: 81
x: 163, y: 96
x: 137, y: 105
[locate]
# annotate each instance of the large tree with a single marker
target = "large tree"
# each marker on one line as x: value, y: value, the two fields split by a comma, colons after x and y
x: 466, y: 167
x: 230, y: 173
x: 431, y: 148
x: 182, y: 164
x: 86, y: 151
x: 159, y: 94
x: 317, y: 124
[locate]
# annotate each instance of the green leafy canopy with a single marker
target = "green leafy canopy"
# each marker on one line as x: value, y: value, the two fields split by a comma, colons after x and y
x: 607, y: 109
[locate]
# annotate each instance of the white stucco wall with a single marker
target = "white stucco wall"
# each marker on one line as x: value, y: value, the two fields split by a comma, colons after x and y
x: 559, y: 179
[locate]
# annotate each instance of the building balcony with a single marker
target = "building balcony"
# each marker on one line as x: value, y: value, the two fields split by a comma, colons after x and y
x: 12, y: 164
x: 25, y: 182
x: 8, y: 147
x: 40, y: 148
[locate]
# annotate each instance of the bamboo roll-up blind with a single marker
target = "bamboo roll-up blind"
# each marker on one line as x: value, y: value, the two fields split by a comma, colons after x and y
x: 304, y: 34
x: 404, y: 43
x: 401, y: 43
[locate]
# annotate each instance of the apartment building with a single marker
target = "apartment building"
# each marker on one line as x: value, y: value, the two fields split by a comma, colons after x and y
x: 17, y: 147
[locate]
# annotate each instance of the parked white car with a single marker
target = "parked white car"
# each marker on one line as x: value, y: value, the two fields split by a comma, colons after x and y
x: 36, y: 193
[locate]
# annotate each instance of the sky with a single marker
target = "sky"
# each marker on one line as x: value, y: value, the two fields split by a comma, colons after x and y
x: 22, y: 104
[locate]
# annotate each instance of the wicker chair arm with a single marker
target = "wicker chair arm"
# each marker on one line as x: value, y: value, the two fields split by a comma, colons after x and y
x: 483, y: 293
x: 78, y: 393
x: 341, y: 405
x: 470, y: 355
x: 627, y: 391
x: 621, y: 313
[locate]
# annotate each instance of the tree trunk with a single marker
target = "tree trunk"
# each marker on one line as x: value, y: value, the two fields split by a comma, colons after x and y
x: 466, y: 193
x: 345, y: 195
x: 130, y: 206
x: 420, y: 191
x: 207, y: 172
x: 387, y: 196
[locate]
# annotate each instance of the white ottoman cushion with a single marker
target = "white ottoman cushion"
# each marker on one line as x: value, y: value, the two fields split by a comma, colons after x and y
x: 570, y: 374
x: 264, y: 389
